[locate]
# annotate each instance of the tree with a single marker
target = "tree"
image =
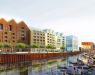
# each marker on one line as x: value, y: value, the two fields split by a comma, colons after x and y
x: 35, y: 46
x: 50, y: 47
x: 21, y: 46
x: 42, y: 47
x: 63, y: 48
x: 1, y: 45
x: 7, y: 45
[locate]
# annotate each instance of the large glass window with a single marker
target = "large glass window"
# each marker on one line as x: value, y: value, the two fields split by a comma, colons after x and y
x: 1, y: 26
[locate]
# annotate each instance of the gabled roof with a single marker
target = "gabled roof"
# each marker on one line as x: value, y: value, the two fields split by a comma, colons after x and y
x: 12, y: 21
x: 22, y: 22
x: 3, y: 20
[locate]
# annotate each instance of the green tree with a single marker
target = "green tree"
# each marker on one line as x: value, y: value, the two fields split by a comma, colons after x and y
x: 1, y: 45
x: 34, y: 46
x: 7, y: 45
x: 21, y: 46
x: 42, y: 47
x: 63, y: 48
x: 50, y: 47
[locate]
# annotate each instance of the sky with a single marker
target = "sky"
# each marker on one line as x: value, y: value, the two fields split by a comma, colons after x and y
x: 71, y: 17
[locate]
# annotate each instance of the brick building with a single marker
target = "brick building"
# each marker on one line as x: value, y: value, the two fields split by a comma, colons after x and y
x: 13, y: 32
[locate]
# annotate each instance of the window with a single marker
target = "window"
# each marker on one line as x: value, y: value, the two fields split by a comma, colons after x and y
x: 13, y: 33
x: 13, y: 37
x: 1, y: 26
x: 34, y: 39
x: 22, y: 27
x: 23, y: 38
x: 37, y: 39
x: 5, y: 40
x: 22, y: 35
x: 10, y: 28
x: 5, y: 32
x: 13, y: 41
x: 34, y: 36
x: 5, y: 36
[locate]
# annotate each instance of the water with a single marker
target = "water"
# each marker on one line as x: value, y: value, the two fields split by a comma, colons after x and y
x: 44, y: 67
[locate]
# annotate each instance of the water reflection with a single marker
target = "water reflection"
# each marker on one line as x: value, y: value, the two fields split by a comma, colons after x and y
x: 43, y: 67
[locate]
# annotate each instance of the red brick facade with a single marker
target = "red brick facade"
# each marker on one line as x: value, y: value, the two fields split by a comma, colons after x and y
x: 13, y: 32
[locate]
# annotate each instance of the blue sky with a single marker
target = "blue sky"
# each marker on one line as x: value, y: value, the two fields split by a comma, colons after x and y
x: 75, y: 17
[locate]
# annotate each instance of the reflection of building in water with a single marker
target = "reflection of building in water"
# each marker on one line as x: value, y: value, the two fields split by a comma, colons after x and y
x: 23, y: 71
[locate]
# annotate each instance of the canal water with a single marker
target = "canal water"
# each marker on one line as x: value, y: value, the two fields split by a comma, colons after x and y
x: 41, y: 67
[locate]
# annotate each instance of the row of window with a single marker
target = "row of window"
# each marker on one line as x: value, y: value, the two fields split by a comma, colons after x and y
x: 38, y: 40
x: 39, y: 37
x: 10, y: 27
x: 7, y: 37
x: 50, y: 40
x: 1, y: 27
x: 39, y: 34
x: 7, y: 41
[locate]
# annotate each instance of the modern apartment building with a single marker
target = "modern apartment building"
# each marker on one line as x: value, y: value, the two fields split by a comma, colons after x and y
x: 37, y: 37
x: 71, y: 43
x: 12, y: 32
x: 59, y: 40
x: 50, y: 37
x: 46, y: 38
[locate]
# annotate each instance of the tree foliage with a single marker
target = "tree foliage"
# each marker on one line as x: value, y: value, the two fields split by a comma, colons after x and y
x: 35, y: 46
x: 5, y: 45
x: 50, y: 47
x: 21, y: 45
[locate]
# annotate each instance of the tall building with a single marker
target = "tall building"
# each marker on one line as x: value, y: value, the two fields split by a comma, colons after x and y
x: 12, y: 32
x: 71, y: 43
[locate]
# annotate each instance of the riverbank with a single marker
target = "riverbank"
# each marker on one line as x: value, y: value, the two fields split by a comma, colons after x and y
x: 28, y: 57
x: 10, y: 61
x: 40, y: 67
